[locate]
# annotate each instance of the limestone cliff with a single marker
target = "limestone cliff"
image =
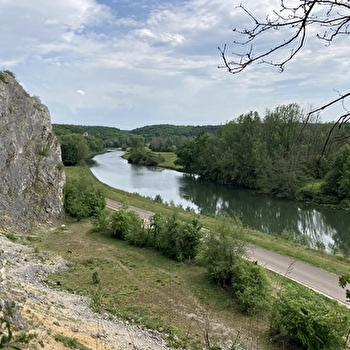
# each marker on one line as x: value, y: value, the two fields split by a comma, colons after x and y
x: 31, y: 171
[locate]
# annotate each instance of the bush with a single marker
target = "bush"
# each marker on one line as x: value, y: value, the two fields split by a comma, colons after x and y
x: 145, y: 157
x: 309, y: 319
x: 175, y: 239
x: 124, y: 223
x: 82, y: 200
x: 251, y: 287
x: 221, y: 249
x: 101, y: 221
x: 309, y: 192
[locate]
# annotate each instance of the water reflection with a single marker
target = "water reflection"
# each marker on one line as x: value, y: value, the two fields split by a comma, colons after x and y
x: 262, y: 212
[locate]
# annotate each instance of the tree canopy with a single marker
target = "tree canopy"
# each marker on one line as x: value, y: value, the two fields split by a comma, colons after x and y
x: 277, y: 153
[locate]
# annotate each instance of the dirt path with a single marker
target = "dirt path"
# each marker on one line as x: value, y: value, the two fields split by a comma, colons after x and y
x: 49, y: 312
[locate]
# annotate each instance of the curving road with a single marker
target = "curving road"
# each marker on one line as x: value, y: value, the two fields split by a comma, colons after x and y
x: 319, y: 280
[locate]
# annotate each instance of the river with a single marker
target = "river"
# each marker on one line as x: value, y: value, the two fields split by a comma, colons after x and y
x: 259, y: 211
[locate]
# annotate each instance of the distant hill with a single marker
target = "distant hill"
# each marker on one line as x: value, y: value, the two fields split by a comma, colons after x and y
x: 168, y: 130
x: 118, y: 136
x: 111, y: 137
x: 101, y: 132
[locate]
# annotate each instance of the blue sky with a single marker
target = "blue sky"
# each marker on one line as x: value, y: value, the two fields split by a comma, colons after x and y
x: 128, y: 64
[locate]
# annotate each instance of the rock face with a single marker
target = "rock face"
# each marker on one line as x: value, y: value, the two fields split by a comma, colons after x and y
x: 31, y: 171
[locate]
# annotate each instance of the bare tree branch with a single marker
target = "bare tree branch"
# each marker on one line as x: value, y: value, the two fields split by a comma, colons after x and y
x: 332, y: 17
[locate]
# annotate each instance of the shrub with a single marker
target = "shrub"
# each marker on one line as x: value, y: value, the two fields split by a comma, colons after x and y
x: 82, y: 200
x: 124, y: 222
x: 175, y: 239
x: 309, y: 319
x: 251, y: 287
x: 145, y: 157
x: 221, y: 249
x: 7, y: 71
x: 95, y: 278
x: 101, y: 221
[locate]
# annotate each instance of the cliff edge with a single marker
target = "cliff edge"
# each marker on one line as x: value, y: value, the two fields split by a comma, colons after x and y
x: 31, y: 170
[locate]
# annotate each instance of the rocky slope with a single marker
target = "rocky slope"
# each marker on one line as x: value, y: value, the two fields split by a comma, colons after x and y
x: 48, y: 313
x: 31, y: 171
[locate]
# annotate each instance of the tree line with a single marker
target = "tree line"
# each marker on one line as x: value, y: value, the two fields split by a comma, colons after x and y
x: 281, y: 153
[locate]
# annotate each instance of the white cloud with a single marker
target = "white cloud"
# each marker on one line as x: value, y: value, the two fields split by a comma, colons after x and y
x: 161, y: 63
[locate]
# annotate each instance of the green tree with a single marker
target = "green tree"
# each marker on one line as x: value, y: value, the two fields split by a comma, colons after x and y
x: 94, y: 144
x: 196, y: 155
x: 243, y: 139
x: 82, y: 199
x: 74, y: 148
x: 337, y: 180
x: 221, y: 249
x: 174, y: 238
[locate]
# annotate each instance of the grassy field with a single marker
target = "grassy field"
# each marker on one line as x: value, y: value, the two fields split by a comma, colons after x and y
x: 141, y: 286
x: 170, y: 158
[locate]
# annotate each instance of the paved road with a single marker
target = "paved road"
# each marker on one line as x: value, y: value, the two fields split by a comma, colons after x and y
x: 319, y: 280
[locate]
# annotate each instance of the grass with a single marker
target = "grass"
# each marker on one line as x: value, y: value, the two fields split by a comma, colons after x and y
x: 70, y: 342
x: 141, y: 286
x: 170, y: 158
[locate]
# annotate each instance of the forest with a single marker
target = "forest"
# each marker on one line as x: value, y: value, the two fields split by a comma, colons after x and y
x: 280, y: 153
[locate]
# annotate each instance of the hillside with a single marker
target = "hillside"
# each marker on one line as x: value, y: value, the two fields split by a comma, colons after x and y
x: 56, y: 318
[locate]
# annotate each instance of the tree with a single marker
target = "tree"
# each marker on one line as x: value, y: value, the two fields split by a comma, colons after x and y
x: 74, y: 149
x: 337, y: 180
x: 221, y: 249
x: 332, y: 17
x: 82, y: 199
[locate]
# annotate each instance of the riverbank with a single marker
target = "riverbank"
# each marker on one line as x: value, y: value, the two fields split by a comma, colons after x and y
x: 337, y: 264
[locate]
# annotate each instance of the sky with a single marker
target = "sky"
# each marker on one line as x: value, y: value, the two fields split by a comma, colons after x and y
x: 128, y: 64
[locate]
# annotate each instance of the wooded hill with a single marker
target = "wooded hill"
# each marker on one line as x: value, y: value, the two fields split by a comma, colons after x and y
x: 114, y: 137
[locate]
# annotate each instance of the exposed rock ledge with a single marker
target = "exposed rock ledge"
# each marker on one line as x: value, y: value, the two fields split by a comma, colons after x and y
x: 31, y: 171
